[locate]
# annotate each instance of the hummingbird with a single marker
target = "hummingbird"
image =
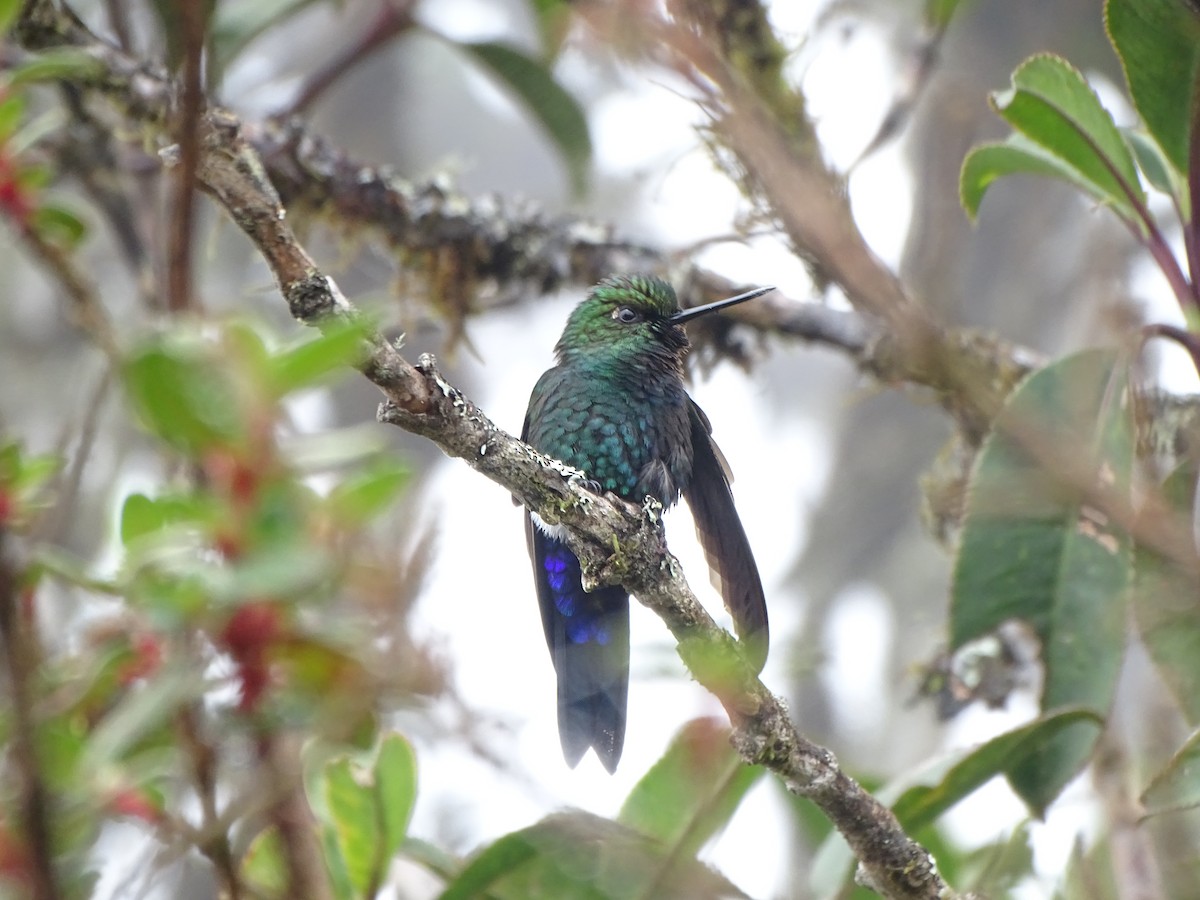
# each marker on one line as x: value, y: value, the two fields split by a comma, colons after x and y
x: 615, y: 407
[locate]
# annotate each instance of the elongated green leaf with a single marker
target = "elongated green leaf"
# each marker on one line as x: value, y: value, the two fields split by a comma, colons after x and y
x: 554, y: 108
x: 578, y: 855
x: 395, y: 791
x: 1164, y: 603
x: 55, y: 64
x: 1052, y: 104
x: 692, y: 791
x: 353, y: 817
x: 1158, y: 42
x: 921, y: 804
x: 335, y: 349
x: 12, y: 110
x: 59, y: 225
x: 987, y: 163
x: 1177, y: 786
x: 1155, y: 166
x: 1034, y: 550
x: 8, y: 13
x: 919, y: 797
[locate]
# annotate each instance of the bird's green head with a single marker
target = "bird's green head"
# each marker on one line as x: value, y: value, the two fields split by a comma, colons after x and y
x: 631, y: 318
x: 624, y: 316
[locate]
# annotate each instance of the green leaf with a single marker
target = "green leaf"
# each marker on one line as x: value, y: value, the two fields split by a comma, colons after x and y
x: 139, y: 713
x: 938, y: 13
x: 967, y: 771
x: 579, y: 855
x: 395, y: 791
x: 352, y: 815
x: 692, y: 791
x: 1017, y: 155
x: 1164, y: 602
x: 264, y: 867
x: 1155, y: 166
x: 54, y: 65
x: 1177, y: 786
x: 8, y: 13
x: 335, y: 349
x: 1052, y: 104
x: 919, y: 797
x: 369, y: 492
x: 1033, y: 549
x: 12, y: 110
x: 1158, y: 42
x: 142, y: 515
x: 555, y: 109
x: 59, y: 225
x: 183, y: 396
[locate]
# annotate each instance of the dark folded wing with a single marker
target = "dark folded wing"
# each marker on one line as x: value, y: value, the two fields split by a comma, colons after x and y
x: 735, y: 574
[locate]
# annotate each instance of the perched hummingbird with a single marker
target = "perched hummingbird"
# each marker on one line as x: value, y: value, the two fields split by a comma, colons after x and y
x: 615, y: 407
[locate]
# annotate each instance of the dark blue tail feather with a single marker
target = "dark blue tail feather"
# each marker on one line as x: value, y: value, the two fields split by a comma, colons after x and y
x: 588, y: 637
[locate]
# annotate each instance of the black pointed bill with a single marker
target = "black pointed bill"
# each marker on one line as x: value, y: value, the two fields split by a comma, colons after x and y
x: 686, y: 315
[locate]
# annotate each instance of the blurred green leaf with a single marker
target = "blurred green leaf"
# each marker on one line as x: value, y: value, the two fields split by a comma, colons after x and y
x: 1164, y: 603
x: 1033, y: 549
x: 366, y: 814
x: 554, y: 21
x: 183, y: 396
x: 939, y: 13
x: 692, y: 791
x: 12, y: 107
x: 1177, y: 785
x: 264, y: 867
x: 138, y: 713
x: 335, y: 349
x: 1158, y: 43
x: 557, y: 111
x: 8, y: 13
x: 395, y: 791
x: 1017, y: 155
x: 969, y: 770
x: 1156, y: 167
x: 355, y: 822
x: 53, y: 65
x: 368, y: 492
x: 59, y: 225
x: 142, y: 515
x: 578, y: 855
x: 1052, y: 104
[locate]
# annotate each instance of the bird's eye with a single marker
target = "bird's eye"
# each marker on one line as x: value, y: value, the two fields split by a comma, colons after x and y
x: 626, y: 315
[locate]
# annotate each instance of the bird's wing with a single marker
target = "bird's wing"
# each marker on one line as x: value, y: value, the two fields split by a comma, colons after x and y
x: 735, y: 574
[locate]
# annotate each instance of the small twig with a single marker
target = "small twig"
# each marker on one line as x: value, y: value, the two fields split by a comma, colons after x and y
x: 1186, y: 339
x: 279, y: 765
x: 215, y: 843
x: 21, y: 660
x: 393, y: 19
x: 86, y: 308
x: 193, y: 23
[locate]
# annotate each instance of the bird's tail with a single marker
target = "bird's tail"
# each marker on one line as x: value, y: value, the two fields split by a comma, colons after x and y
x: 588, y: 636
